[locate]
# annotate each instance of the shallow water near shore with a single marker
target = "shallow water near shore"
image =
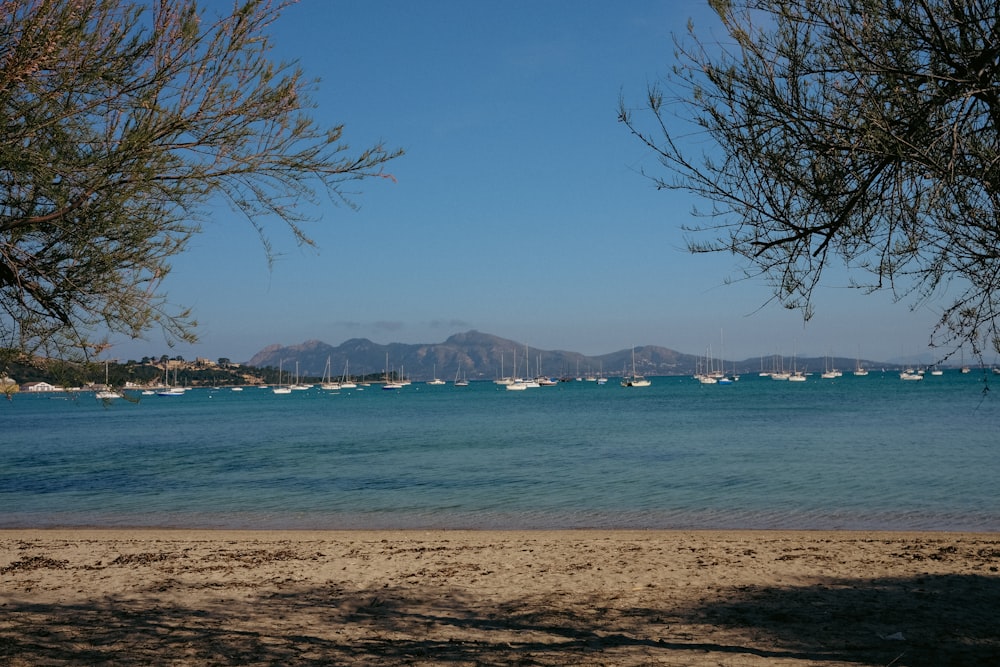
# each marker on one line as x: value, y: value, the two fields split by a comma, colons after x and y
x: 851, y: 453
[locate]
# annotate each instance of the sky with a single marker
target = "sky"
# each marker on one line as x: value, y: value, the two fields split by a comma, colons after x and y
x: 518, y: 209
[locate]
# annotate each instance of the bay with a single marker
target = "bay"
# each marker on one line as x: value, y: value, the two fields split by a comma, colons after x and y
x: 851, y: 453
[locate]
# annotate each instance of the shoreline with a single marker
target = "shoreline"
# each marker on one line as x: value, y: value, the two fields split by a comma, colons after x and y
x: 482, y: 597
x: 7, y: 532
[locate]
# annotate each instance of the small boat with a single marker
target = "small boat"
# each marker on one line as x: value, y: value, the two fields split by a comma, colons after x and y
x: 327, y: 382
x: 634, y: 380
x: 281, y: 389
x: 390, y: 382
x: 345, y: 381
x: 167, y: 390
x: 910, y: 376
x: 859, y: 370
x: 436, y: 381
x: 796, y: 375
x: 107, y: 393
x: 298, y: 386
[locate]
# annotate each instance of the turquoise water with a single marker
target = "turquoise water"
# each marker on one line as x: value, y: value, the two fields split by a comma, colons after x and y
x: 852, y: 453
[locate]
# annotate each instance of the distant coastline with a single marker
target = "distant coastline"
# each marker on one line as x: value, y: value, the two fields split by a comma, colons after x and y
x: 474, y: 355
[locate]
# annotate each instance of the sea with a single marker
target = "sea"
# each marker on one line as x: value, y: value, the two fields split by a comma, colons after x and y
x: 851, y: 453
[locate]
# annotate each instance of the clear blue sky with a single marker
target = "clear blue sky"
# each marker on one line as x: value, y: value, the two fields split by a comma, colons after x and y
x: 518, y: 208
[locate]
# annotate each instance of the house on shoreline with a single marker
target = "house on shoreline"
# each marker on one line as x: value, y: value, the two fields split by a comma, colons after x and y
x: 33, y: 387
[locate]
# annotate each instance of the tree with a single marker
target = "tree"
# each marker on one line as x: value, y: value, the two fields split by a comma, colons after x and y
x: 858, y: 131
x: 124, y: 123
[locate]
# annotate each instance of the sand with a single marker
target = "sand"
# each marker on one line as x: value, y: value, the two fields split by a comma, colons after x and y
x: 179, y: 597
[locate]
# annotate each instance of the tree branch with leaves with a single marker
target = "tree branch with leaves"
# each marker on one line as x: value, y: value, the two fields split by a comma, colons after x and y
x: 855, y: 131
x: 124, y: 122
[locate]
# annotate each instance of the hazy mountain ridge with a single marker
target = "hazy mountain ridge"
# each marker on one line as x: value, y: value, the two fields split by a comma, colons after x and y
x: 477, y: 355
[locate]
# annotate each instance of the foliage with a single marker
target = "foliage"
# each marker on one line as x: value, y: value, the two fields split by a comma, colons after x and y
x: 857, y: 131
x: 123, y: 122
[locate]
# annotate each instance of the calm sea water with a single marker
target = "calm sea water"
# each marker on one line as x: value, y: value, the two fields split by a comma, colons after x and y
x: 852, y: 453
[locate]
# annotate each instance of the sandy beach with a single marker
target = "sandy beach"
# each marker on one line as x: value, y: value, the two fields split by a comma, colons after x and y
x: 179, y: 597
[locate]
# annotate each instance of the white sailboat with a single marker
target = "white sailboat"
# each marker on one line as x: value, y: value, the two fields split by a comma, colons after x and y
x: 390, y: 384
x: 634, y: 380
x: 859, y: 370
x: 779, y: 372
x: 327, y: 382
x: 505, y: 379
x: 520, y: 384
x: 828, y: 372
x: 346, y: 382
x: 797, y: 375
x: 281, y: 389
x: 514, y: 383
x: 169, y: 391
x: 299, y: 386
x: 107, y: 393
x: 436, y: 381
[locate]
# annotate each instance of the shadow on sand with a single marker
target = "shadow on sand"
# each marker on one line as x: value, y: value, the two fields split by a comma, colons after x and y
x: 932, y: 620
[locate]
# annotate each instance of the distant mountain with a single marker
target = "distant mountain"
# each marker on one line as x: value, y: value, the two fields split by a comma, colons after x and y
x: 481, y: 356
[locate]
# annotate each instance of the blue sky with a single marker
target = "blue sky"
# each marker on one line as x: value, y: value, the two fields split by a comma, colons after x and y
x: 518, y: 209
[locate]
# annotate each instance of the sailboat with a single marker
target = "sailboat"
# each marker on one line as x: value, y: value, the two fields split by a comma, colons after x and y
x: 107, y: 393
x: 299, y: 386
x: 436, y: 380
x: 529, y: 382
x: 281, y: 389
x: 779, y: 373
x: 328, y: 382
x: 390, y: 384
x: 797, y: 375
x: 859, y: 370
x: 504, y: 379
x: 346, y: 382
x: 514, y: 383
x: 634, y: 380
x: 828, y: 372
x: 460, y: 382
x: 168, y: 390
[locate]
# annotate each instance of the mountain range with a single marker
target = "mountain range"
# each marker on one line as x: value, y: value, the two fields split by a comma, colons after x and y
x: 480, y: 356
